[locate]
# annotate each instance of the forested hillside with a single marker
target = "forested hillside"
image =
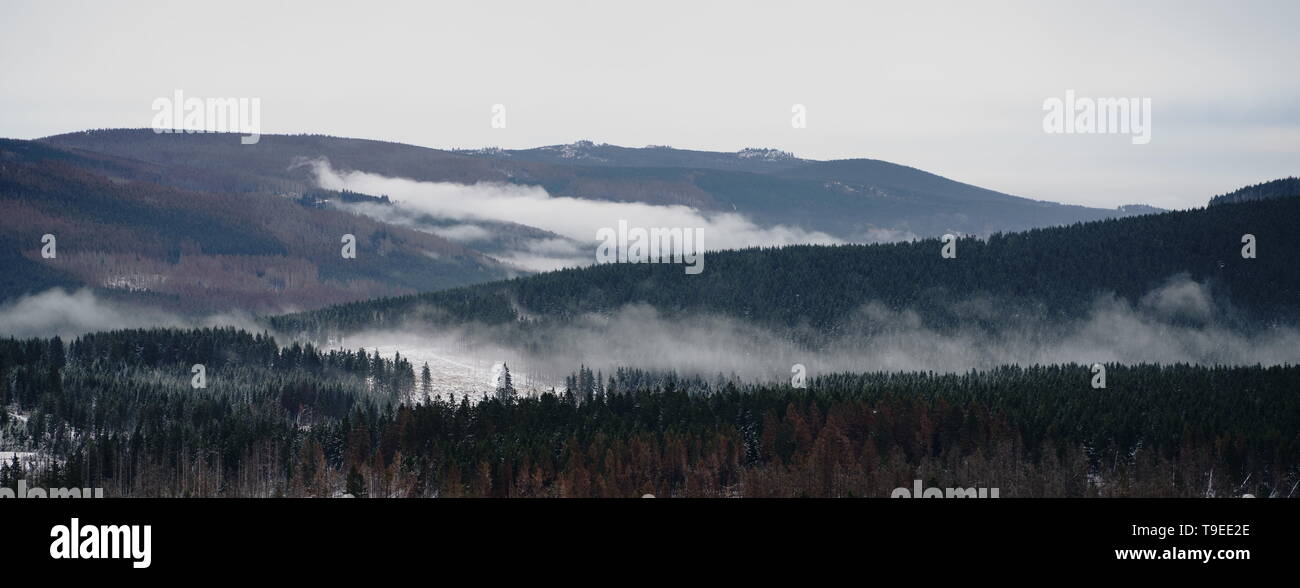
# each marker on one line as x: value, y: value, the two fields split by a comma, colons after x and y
x: 186, y: 250
x: 1058, y: 272
x: 118, y: 411
x: 1283, y: 188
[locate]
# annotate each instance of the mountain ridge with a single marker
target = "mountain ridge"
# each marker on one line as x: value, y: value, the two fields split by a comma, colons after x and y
x: 849, y: 198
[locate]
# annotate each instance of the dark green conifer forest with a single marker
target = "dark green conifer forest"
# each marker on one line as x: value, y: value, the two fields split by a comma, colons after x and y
x: 118, y: 411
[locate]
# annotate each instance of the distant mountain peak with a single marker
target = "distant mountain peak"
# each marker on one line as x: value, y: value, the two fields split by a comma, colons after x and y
x: 489, y: 151
x: 577, y: 150
x: 765, y: 153
x: 603, y: 152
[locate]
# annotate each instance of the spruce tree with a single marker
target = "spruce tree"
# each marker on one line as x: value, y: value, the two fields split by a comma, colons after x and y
x: 426, y: 382
x: 505, y: 386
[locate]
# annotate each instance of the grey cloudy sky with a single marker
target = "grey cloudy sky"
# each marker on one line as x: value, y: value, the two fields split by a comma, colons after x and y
x: 954, y: 88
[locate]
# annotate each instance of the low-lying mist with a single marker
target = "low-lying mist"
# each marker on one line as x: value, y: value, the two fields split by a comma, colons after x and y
x: 1177, y: 323
x: 69, y: 314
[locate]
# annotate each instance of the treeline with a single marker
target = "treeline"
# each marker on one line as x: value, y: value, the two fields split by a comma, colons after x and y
x: 320, y: 198
x: 117, y: 411
x: 226, y: 348
x: 1282, y: 188
x: 813, y: 291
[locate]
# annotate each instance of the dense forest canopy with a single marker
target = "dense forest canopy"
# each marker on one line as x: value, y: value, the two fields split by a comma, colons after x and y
x: 118, y: 410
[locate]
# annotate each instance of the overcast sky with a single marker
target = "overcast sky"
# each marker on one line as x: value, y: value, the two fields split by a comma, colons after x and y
x: 953, y: 88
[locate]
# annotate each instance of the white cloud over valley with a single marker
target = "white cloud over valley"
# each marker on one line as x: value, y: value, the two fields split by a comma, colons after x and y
x: 577, y: 219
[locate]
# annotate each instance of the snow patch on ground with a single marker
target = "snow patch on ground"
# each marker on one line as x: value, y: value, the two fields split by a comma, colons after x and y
x: 455, y: 368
